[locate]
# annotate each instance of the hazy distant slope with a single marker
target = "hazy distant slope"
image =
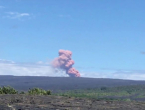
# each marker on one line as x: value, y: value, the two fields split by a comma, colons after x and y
x: 63, y: 83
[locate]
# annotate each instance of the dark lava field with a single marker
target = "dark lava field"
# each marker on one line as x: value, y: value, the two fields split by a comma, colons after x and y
x: 26, y: 102
x: 62, y: 83
x: 52, y: 102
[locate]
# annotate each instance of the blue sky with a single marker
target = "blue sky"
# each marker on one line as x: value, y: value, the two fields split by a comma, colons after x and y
x: 105, y: 36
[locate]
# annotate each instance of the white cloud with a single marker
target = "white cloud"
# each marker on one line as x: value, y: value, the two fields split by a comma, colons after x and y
x: 128, y: 75
x: 16, y: 15
x: 24, y: 14
x: 6, y: 61
x: 44, y: 69
x: 21, y: 69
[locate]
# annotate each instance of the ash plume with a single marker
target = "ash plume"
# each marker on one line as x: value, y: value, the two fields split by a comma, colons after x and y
x: 65, y: 62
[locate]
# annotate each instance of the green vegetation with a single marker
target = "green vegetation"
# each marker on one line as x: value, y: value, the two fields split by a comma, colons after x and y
x: 126, y: 93
x: 33, y: 91
x: 7, y: 90
x: 37, y: 91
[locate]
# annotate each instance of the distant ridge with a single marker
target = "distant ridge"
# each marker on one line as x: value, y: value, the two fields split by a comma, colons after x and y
x: 62, y: 83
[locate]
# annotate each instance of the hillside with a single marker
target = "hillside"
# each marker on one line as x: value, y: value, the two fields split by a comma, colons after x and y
x: 62, y: 83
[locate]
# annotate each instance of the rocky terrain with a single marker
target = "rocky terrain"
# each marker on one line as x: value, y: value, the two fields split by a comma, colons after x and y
x: 31, y: 102
x: 56, y: 84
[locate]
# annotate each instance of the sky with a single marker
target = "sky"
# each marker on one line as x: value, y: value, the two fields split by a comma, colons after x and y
x: 106, y: 37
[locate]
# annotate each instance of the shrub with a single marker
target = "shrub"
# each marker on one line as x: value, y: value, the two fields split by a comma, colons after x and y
x: 22, y: 92
x: 103, y: 88
x: 37, y: 91
x: 33, y: 91
x: 128, y: 100
x: 8, y: 90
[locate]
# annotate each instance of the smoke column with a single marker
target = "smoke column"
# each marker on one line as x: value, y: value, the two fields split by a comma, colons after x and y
x: 65, y: 62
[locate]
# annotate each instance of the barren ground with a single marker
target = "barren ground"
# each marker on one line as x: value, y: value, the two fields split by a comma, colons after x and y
x: 29, y: 102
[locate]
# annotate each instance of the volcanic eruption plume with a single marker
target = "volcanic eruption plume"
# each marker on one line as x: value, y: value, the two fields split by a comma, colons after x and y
x: 65, y: 62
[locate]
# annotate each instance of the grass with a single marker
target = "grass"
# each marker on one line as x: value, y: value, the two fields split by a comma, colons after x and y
x: 126, y: 93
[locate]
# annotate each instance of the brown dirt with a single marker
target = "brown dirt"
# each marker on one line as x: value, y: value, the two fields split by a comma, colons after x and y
x: 29, y: 102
